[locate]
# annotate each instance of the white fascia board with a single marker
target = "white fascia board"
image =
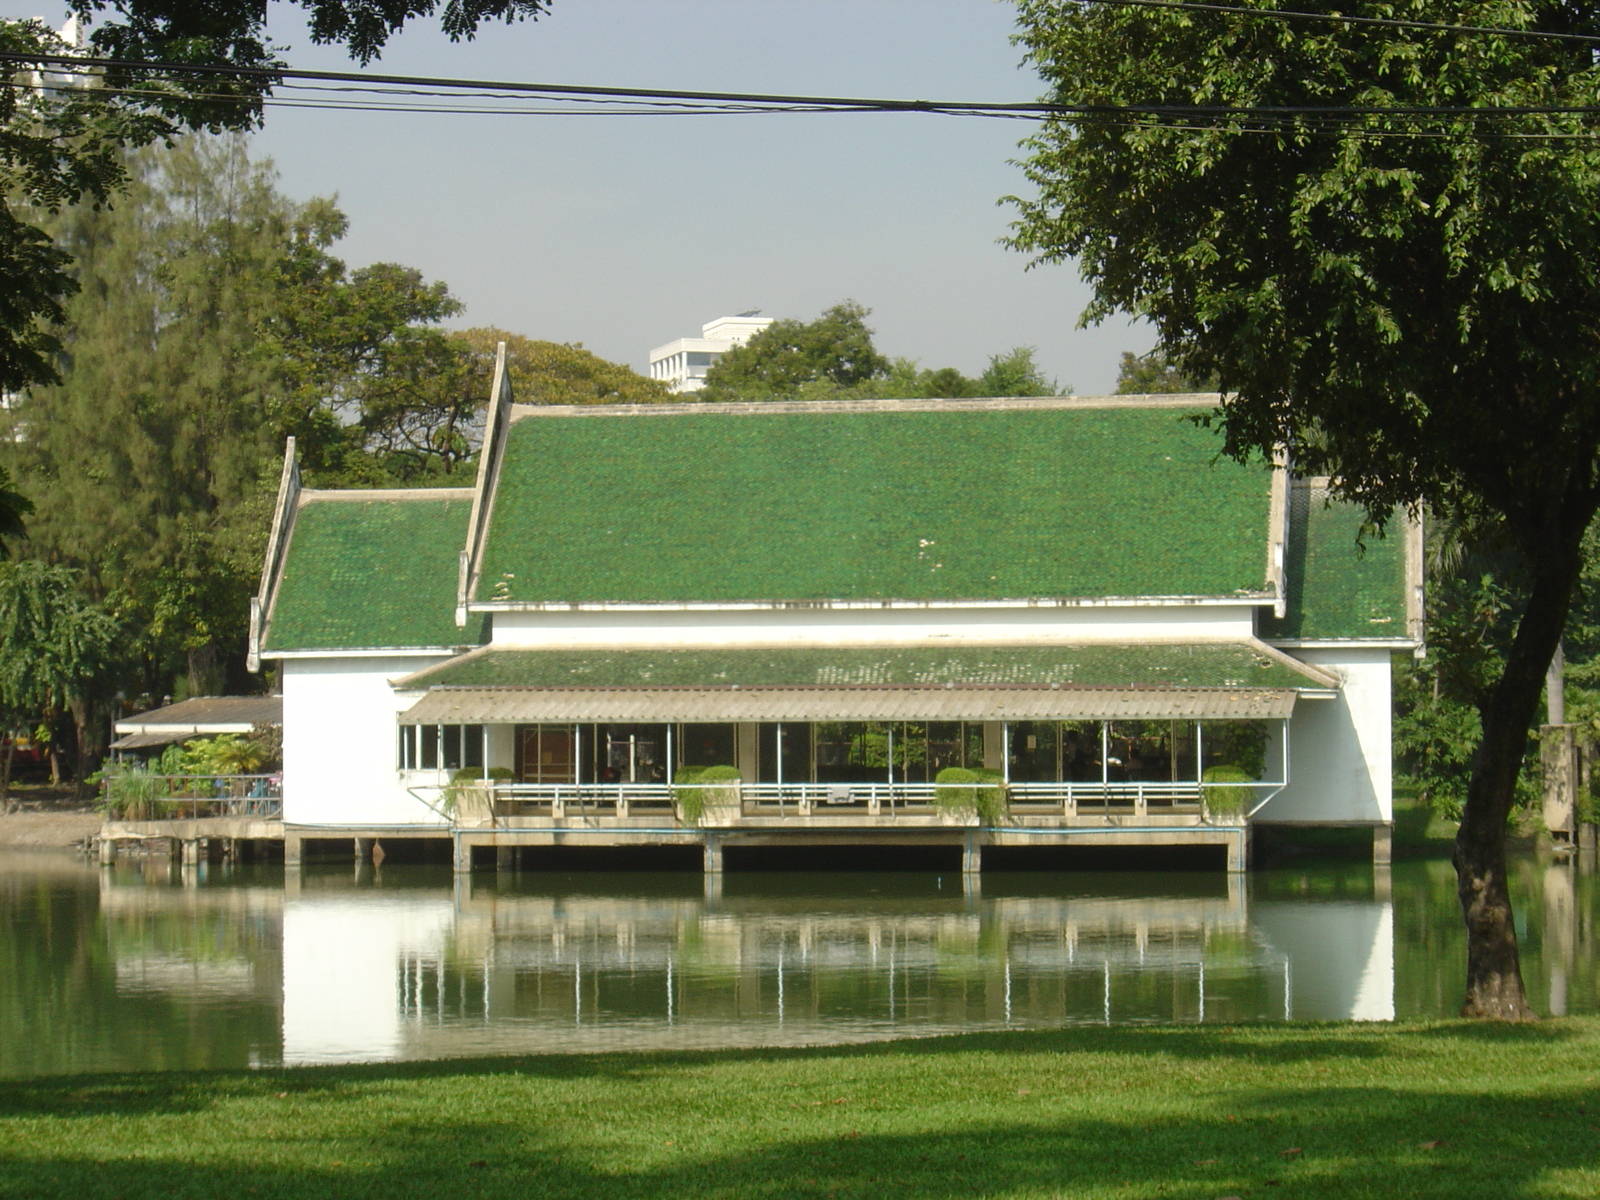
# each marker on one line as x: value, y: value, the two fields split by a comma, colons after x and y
x: 205, y: 727
x: 490, y: 606
x: 374, y: 652
x: 1343, y: 644
x: 683, y: 345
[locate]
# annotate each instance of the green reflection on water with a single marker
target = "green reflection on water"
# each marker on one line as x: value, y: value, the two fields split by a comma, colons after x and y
x: 141, y: 967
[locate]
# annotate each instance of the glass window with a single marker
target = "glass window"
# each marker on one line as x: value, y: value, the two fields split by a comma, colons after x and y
x: 429, y: 736
x: 1035, y: 751
x: 546, y: 753
x: 704, y: 746
x: 408, y: 747
x: 1141, y: 751
x: 450, y: 737
x: 1080, y: 752
x: 1240, y: 744
x: 852, y: 752
x: 472, y: 746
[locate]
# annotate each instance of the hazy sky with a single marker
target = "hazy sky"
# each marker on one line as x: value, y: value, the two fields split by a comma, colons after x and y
x: 626, y: 232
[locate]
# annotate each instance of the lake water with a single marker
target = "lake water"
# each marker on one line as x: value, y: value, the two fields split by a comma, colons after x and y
x: 143, y: 966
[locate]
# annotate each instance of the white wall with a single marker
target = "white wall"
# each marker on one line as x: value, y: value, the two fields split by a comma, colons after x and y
x: 667, y: 629
x: 339, y: 743
x: 1340, y: 757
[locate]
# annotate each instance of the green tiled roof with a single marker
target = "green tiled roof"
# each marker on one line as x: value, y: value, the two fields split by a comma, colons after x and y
x: 1335, y: 590
x: 854, y: 504
x: 369, y: 574
x: 1196, y: 665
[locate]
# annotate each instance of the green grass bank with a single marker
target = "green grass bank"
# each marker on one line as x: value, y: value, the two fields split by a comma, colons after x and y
x: 1444, y: 1109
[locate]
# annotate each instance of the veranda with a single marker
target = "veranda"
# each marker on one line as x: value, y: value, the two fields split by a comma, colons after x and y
x: 1067, y: 769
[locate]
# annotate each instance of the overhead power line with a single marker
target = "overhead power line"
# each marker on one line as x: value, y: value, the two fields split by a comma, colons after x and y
x: 1347, y: 19
x: 349, y: 90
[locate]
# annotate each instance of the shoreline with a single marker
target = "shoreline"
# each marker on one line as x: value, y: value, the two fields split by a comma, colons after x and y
x: 50, y: 830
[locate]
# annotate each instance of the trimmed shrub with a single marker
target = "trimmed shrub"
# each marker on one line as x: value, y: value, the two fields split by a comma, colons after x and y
x: 986, y: 798
x: 1226, y: 801
x: 692, y: 800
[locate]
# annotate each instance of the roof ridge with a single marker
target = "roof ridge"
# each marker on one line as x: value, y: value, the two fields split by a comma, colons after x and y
x: 964, y: 404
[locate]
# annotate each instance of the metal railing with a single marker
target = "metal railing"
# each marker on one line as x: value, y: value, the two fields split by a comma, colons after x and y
x: 188, y: 797
x: 581, y: 799
x: 1067, y: 799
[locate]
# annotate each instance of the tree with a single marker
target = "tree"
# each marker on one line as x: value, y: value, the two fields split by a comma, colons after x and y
x: 1405, y: 301
x: 545, y: 372
x: 57, y: 654
x: 1153, y: 373
x: 835, y: 351
x: 62, y: 144
x: 211, y: 321
x: 1015, y: 373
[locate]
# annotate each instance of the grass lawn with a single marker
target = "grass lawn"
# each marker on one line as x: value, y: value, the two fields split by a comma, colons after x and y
x: 1445, y: 1109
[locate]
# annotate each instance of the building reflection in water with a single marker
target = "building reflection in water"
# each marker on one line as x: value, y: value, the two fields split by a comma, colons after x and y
x: 374, y: 974
x: 145, y: 965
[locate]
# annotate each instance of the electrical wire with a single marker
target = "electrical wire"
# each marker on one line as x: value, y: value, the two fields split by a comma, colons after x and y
x: 351, y: 91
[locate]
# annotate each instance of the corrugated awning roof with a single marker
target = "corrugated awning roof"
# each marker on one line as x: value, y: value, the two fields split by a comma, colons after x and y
x: 147, y: 741
x: 502, y: 705
x: 206, y: 714
x: 1225, y: 664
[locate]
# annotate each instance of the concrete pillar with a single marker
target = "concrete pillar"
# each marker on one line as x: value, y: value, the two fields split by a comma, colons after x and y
x: 291, y: 849
x: 505, y: 858
x: 1382, y: 883
x: 971, y: 856
x: 746, y: 747
x: 192, y: 850
x: 364, y: 849
x: 994, y: 745
x: 1586, y: 836
x: 463, y: 855
x: 108, y: 851
x: 713, y: 857
x: 1239, y: 851
x: 1382, y: 845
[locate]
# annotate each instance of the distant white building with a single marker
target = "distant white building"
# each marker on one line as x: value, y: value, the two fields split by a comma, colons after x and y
x: 682, y: 365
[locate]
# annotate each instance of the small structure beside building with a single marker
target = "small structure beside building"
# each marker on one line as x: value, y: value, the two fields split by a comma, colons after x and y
x: 1142, y: 644
x: 682, y: 364
x: 200, y: 716
x: 194, y: 814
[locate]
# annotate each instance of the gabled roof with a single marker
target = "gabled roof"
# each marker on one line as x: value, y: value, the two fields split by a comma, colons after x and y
x: 1057, y: 498
x: 368, y: 570
x: 1342, y: 585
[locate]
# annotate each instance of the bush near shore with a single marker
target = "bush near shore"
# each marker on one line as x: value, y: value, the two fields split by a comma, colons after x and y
x: 1442, y: 1109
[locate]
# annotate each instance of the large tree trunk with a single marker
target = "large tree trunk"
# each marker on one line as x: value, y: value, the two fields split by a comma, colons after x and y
x: 206, y: 673
x: 6, y: 764
x: 91, y: 746
x: 1494, y: 972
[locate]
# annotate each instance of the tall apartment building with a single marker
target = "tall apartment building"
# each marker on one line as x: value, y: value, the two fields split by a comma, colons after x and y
x: 682, y: 365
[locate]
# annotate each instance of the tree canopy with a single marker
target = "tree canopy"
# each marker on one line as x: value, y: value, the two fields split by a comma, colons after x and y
x: 210, y: 323
x: 62, y: 144
x: 1386, y: 245
x: 835, y: 350
x: 834, y: 358
x: 544, y: 372
x: 1154, y: 373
